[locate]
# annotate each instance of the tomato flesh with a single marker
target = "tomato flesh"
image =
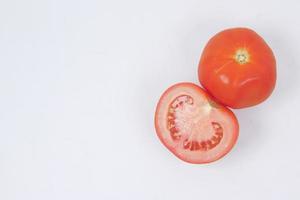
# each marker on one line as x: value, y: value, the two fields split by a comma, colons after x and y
x: 194, y: 127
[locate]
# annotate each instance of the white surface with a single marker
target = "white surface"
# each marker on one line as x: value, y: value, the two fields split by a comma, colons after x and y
x: 79, y: 82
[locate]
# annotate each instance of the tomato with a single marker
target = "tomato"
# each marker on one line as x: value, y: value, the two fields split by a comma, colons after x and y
x: 238, y: 68
x: 194, y: 127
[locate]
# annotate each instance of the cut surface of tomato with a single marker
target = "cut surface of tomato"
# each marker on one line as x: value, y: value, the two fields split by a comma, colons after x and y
x: 194, y: 127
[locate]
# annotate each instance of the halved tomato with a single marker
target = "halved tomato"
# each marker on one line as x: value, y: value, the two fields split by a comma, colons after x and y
x: 192, y: 126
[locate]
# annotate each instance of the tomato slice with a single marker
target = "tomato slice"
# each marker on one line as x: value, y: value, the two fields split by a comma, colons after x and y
x: 192, y: 126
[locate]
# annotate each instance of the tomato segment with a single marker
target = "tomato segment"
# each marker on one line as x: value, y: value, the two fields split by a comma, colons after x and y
x: 194, y: 127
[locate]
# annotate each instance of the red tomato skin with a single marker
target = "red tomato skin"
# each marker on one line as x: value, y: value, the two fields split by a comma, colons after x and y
x: 220, y: 107
x: 231, y: 82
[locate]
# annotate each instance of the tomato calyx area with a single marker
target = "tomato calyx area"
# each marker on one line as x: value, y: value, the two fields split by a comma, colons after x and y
x: 242, y: 56
x: 192, y: 131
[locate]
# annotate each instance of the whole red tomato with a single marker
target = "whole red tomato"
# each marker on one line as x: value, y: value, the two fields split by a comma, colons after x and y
x: 238, y: 68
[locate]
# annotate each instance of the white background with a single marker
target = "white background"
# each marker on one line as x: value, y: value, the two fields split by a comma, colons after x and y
x: 79, y: 82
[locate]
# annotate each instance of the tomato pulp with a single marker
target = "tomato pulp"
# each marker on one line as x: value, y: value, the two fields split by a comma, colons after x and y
x: 194, y: 127
x: 238, y: 68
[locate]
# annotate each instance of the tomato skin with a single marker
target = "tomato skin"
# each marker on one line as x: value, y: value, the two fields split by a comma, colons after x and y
x: 225, y: 111
x: 238, y: 68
